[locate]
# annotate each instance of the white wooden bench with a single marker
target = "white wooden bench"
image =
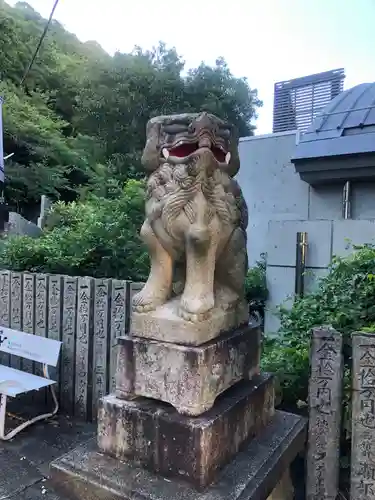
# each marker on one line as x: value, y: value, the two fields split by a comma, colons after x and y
x: 14, y: 382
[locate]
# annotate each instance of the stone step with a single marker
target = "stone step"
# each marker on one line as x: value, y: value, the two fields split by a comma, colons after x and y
x: 87, y: 474
x: 175, y: 445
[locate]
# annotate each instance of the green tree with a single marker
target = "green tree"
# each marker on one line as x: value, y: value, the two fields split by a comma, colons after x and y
x: 119, y: 98
x: 143, y: 84
x: 44, y: 161
x: 49, y: 156
x: 344, y: 298
x: 97, y: 237
x: 215, y: 89
x: 78, y: 124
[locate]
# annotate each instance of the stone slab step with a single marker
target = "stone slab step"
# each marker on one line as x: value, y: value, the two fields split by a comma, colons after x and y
x: 86, y: 474
x: 192, y: 448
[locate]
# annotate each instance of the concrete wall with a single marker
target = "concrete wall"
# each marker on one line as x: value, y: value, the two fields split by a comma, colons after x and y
x: 267, y: 180
x: 280, y: 205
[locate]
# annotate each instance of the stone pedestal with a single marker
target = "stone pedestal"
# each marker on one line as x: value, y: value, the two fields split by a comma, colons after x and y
x: 188, y: 377
x: 88, y: 474
x: 154, y: 435
x: 186, y: 421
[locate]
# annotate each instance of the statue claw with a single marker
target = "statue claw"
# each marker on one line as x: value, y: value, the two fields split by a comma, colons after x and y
x: 144, y: 308
x: 193, y: 317
x: 144, y: 302
x: 196, y: 308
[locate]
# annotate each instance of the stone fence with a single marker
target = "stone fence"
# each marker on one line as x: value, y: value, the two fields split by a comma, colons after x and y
x: 86, y: 314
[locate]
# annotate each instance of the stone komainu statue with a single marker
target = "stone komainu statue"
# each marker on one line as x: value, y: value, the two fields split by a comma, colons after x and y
x: 196, y: 216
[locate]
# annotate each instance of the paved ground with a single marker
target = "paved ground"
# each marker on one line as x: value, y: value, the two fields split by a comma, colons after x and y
x: 24, y: 461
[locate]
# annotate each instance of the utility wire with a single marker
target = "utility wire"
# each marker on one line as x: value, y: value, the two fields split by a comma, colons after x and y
x: 29, y: 68
x: 40, y: 42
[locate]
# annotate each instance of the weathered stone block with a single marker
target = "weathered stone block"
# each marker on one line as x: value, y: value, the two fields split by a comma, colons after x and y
x: 188, y: 377
x: 165, y: 324
x: 156, y: 436
x: 85, y: 473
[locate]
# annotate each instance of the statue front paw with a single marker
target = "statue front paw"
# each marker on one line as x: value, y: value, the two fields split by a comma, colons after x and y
x: 196, y: 307
x: 145, y: 301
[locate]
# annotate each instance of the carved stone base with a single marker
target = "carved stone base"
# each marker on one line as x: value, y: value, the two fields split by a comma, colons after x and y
x: 189, y: 378
x: 164, y: 324
x: 156, y: 436
x: 87, y: 474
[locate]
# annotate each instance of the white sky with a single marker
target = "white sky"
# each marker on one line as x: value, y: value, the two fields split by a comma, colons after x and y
x: 265, y: 40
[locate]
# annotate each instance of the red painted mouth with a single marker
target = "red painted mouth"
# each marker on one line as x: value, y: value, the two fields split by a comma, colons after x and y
x: 186, y: 149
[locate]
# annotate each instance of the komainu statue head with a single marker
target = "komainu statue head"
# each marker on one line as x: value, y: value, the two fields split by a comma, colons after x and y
x: 196, y: 217
x: 180, y: 137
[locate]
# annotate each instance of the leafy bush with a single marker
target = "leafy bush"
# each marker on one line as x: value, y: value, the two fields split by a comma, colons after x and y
x: 345, y: 299
x: 97, y: 237
x: 255, y: 282
x: 256, y: 292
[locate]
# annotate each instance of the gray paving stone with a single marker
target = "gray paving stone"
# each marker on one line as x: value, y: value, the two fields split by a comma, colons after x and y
x: 16, y: 473
x: 24, y: 461
x: 42, y: 490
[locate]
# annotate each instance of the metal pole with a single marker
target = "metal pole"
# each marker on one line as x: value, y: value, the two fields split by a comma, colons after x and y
x: 301, y: 251
x: 346, y: 201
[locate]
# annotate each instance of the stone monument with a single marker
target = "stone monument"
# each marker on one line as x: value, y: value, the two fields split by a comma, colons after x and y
x: 191, y: 416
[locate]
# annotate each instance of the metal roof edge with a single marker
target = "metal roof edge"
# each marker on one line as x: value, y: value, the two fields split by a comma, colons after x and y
x: 268, y: 136
x: 339, y: 146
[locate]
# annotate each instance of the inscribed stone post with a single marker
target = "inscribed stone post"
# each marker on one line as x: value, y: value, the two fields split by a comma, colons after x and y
x: 363, y: 418
x: 119, y: 314
x: 134, y: 287
x: 16, y: 311
x: 5, y: 298
x: 41, y: 317
x: 69, y: 340
x: 54, y: 307
x: 5, y: 308
x: 83, y: 346
x: 28, y: 313
x: 325, y: 393
x: 41, y: 305
x: 54, y: 319
x: 101, y: 323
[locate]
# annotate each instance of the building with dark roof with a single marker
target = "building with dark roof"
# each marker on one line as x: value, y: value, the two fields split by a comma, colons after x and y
x: 320, y: 182
x: 340, y: 144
